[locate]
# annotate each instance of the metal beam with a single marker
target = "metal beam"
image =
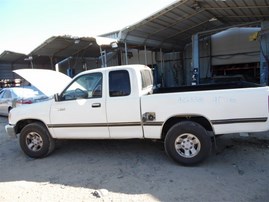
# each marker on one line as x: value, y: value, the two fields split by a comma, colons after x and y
x: 146, y: 59
x: 126, y: 53
x: 103, y: 57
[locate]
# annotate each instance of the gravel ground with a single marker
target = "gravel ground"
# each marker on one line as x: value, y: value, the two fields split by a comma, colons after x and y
x: 134, y: 170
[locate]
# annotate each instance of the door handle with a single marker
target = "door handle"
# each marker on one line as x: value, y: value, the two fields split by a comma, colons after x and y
x: 95, y: 105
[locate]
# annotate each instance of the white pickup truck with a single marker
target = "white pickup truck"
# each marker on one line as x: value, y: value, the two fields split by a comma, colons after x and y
x: 121, y: 103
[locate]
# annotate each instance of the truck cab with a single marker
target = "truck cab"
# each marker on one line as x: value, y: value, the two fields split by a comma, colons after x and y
x: 103, y: 103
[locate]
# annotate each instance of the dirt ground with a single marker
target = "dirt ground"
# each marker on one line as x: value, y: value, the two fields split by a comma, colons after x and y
x: 134, y: 170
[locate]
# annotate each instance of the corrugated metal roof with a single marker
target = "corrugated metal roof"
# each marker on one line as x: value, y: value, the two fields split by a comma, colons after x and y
x: 60, y: 47
x: 10, y: 57
x: 65, y: 46
x: 173, y: 26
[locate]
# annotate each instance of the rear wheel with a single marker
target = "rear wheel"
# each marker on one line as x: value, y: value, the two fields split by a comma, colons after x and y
x: 35, y: 140
x: 188, y: 143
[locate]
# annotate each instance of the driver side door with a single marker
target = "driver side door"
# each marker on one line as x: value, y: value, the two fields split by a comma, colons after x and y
x: 80, y: 112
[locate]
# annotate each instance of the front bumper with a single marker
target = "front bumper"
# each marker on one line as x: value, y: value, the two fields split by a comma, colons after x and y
x: 10, y: 130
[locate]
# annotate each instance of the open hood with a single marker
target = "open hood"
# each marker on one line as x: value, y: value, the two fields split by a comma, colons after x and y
x: 47, y: 81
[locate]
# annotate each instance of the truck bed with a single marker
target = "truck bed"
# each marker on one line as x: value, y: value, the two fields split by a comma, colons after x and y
x: 206, y: 87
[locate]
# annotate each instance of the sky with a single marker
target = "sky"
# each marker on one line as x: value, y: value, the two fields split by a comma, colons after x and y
x: 25, y: 24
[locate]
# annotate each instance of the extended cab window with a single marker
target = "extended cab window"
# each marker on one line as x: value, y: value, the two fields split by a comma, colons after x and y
x: 119, y: 83
x: 147, y: 79
x: 85, y: 86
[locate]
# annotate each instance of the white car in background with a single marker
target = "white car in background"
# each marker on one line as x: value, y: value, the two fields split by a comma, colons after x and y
x: 16, y: 96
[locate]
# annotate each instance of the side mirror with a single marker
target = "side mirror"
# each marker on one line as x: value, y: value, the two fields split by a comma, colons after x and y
x: 56, y: 97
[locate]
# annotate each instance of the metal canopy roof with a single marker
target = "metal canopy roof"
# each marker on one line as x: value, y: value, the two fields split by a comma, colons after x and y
x: 60, y: 47
x: 10, y: 57
x: 19, y: 58
x: 172, y: 27
x: 65, y: 46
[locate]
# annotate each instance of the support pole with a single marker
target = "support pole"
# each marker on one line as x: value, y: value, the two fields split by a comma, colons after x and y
x: 126, y: 53
x: 51, y: 62
x: 195, y: 60
x: 264, y: 53
x: 146, y: 59
x: 103, y: 57
x: 162, y: 70
x: 138, y: 53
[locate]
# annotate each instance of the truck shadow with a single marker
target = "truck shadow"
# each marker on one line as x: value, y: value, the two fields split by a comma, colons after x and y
x: 254, y: 141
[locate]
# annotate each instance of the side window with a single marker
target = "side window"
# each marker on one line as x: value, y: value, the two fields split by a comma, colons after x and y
x: 84, y: 87
x: 119, y: 83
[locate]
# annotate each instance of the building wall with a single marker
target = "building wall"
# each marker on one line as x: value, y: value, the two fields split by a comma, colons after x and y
x: 232, y: 46
x: 5, y: 71
x: 167, y: 67
x: 170, y: 69
x: 235, y: 46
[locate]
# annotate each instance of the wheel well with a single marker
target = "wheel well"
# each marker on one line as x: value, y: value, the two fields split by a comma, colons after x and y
x: 9, y: 108
x: 21, y: 124
x: 174, y: 120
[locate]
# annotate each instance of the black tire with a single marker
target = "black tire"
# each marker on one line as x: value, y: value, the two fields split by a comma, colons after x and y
x: 188, y: 143
x: 35, y: 140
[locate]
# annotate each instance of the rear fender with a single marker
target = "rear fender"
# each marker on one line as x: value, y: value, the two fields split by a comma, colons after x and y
x: 195, y: 118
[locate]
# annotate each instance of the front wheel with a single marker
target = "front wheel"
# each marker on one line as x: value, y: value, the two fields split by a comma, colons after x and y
x: 35, y: 140
x: 188, y: 143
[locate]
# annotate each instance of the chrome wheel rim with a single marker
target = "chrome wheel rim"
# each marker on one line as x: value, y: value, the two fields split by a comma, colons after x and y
x: 187, y: 145
x: 34, y: 141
